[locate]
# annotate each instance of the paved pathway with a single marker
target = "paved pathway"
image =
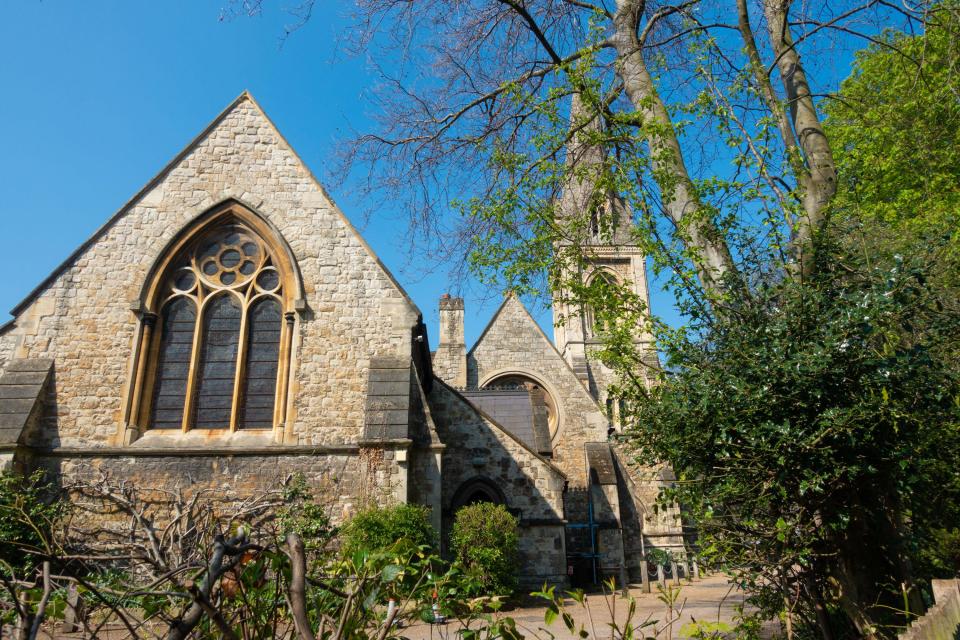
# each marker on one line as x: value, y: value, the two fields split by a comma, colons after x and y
x: 708, y: 600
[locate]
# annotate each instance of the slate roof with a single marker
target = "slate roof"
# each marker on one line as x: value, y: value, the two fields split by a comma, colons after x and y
x: 517, y: 412
x: 388, y: 399
x: 20, y: 388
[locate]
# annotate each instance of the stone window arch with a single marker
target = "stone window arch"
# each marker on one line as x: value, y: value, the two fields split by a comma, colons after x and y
x: 600, y: 280
x: 217, y: 326
x: 474, y: 491
x: 539, y: 392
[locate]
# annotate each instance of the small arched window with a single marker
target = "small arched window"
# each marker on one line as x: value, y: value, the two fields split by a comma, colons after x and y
x: 214, y: 358
x: 601, y: 284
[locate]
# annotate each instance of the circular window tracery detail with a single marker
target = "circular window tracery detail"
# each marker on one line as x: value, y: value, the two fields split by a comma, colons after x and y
x: 228, y: 258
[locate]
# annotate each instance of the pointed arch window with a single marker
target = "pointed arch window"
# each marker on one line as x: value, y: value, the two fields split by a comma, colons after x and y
x: 218, y: 357
x: 602, y: 282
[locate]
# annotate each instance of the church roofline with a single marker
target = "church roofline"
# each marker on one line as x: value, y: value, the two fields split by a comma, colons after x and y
x: 510, y: 295
x: 493, y: 319
x: 486, y: 416
x: 245, y: 95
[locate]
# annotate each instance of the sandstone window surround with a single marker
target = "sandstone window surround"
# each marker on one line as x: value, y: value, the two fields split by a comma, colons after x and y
x: 600, y: 279
x: 217, y: 324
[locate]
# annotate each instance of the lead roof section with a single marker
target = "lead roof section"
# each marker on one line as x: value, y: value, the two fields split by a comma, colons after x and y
x: 388, y: 399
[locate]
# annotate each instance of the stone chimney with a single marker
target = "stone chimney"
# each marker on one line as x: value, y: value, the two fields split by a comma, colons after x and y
x: 450, y: 360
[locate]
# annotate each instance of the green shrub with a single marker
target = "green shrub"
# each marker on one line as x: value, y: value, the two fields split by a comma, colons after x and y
x: 27, y: 514
x: 485, y: 542
x: 381, y: 527
x: 303, y: 515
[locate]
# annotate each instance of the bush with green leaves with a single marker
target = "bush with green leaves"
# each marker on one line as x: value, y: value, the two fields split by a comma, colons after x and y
x: 377, y: 528
x: 303, y: 515
x: 484, y: 540
x: 27, y: 514
x: 814, y: 431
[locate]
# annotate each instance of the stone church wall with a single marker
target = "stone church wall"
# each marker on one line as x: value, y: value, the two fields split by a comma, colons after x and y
x: 342, y: 480
x: 8, y: 344
x: 83, y: 319
x: 514, y: 343
x: 478, y: 449
x: 647, y: 523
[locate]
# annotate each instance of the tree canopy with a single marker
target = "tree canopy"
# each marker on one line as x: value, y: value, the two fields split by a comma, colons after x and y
x: 810, y: 403
x: 814, y: 433
x: 895, y: 126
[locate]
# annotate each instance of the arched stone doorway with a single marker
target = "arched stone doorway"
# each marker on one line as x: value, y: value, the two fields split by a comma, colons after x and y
x: 474, y: 491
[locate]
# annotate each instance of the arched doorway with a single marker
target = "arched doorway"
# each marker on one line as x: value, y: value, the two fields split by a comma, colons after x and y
x: 474, y: 491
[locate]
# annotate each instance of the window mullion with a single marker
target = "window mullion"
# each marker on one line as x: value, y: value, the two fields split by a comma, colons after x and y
x: 283, y: 370
x: 193, y: 374
x: 241, y: 362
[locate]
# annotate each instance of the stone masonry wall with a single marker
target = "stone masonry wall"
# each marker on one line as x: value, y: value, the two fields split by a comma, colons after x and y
x: 661, y: 526
x: 514, y: 343
x: 476, y: 448
x: 82, y: 319
x: 341, y: 481
x: 8, y: 344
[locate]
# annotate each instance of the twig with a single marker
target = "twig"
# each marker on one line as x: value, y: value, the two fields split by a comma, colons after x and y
x: 44, y: 599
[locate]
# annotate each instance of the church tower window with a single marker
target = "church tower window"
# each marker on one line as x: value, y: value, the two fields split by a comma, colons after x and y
x: 602, y: 284
x: 218, y: 356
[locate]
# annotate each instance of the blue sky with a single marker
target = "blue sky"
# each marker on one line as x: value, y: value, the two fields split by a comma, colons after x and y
x: 99, y: 96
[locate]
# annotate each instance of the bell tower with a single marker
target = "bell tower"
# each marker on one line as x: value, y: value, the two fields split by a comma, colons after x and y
x: 602, y: 224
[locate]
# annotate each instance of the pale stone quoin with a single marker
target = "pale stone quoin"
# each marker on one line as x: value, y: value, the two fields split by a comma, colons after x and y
x: 228, y: 327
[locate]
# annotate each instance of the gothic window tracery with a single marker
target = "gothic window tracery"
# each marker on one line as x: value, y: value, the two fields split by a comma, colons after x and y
x: 215, y: 356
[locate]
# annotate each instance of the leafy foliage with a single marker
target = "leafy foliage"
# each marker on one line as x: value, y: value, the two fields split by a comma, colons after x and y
x: 378, y: 528
x: 303, y: 515
x: 485, y: 543
x: 895, y: 129
x: 28, y: 512
x: 814, y: 430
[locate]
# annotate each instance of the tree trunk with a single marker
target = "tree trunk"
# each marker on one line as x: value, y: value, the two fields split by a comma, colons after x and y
x: 872, y: 562
x: 819, y: 608
x: 705, y: 244
x: 818, y: 183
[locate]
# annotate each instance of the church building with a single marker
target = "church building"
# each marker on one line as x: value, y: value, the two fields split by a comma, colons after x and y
x: 228, y: 328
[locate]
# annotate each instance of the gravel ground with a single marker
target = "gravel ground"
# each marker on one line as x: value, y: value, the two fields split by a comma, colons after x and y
x: 710, y: 600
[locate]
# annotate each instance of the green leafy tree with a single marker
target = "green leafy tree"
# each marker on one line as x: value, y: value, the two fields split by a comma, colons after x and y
x: 814, y: 431
x: 28, y: 512
x: 485, y: 544
x: 556, y: 127
x: 895, y: 128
